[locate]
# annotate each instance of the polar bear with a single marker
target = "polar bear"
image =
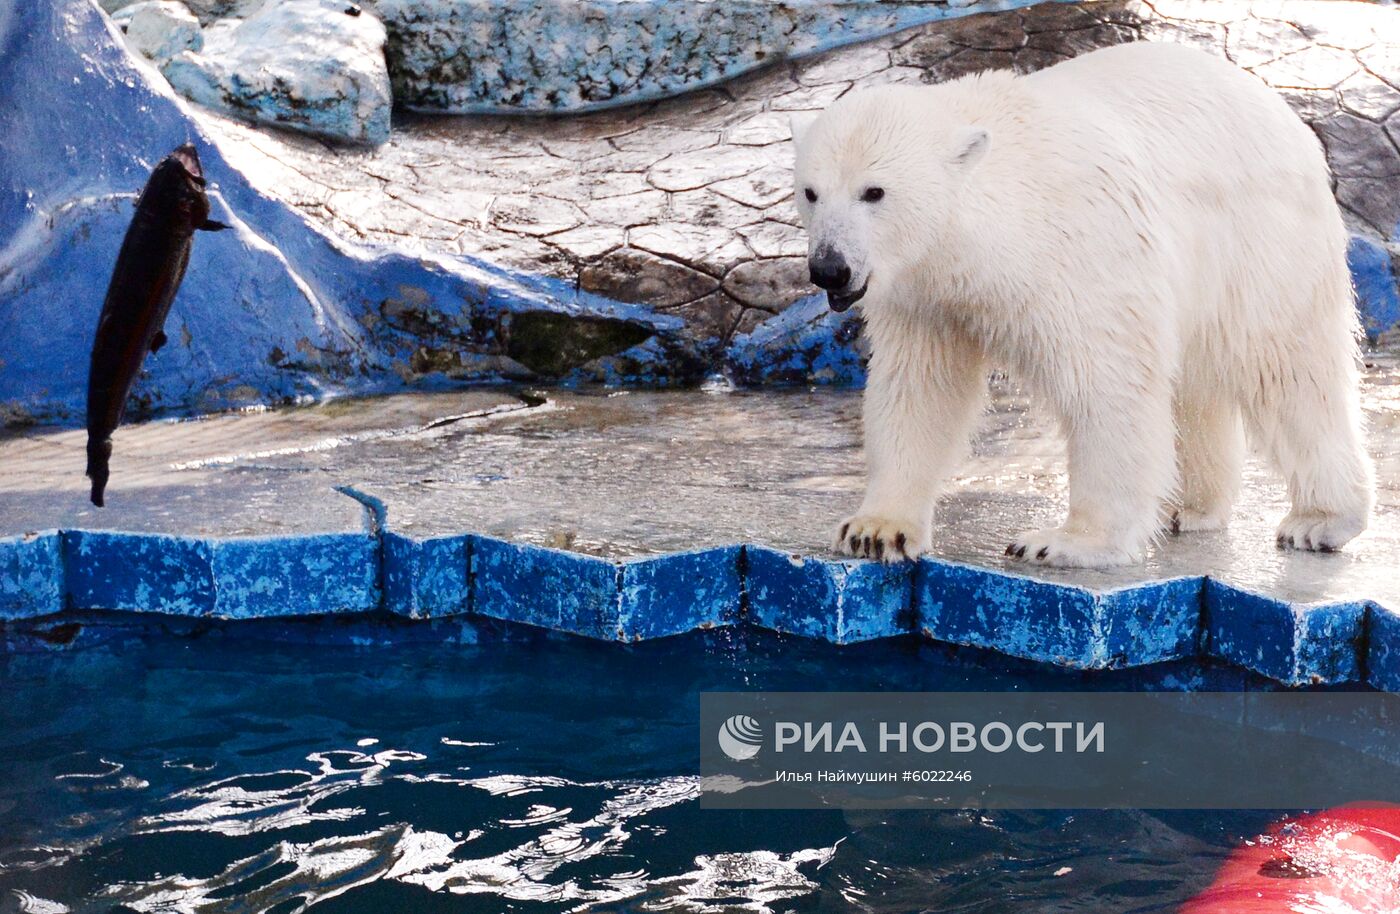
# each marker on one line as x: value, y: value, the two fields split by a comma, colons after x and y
x: 1146, y: 237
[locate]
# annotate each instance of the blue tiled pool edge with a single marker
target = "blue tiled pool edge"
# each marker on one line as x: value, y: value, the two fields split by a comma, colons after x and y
x: 840, y: 601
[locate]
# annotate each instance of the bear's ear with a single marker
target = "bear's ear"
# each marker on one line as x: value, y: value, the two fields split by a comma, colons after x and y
x: 799, y: 122
x: 970, y: 144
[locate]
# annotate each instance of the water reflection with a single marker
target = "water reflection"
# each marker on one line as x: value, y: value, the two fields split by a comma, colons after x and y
x: 555, y: 826
x: 221, y: 774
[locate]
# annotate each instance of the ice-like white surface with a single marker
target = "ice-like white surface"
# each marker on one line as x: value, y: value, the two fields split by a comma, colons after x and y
x: 160, y: 29
x: 311, y: 65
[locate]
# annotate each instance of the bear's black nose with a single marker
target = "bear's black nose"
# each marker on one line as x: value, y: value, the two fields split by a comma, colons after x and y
x: 829, y: 270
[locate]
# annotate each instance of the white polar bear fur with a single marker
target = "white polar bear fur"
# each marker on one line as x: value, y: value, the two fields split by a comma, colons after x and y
x: 1146, y: 236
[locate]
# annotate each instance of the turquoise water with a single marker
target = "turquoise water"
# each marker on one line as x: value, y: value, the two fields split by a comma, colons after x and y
x: 356, y: 767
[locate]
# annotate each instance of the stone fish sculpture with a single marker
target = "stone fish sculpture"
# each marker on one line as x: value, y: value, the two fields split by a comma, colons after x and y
x: 150, y: 266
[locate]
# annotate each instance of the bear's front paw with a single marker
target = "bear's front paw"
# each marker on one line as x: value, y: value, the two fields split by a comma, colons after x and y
x: 1063, y: 548
x: 884, y: 539
x: 1318, y: 532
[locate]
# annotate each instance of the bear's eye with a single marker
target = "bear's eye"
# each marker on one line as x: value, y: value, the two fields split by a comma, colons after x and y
x: 873, y: 194
x: 811, y: 195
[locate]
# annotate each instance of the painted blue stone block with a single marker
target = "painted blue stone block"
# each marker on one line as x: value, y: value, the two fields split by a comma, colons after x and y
x: 295, y: 576
x: 545, y: 587
x: 1297, y: 645
x: 138, y: 571
x: 427, y: 578
x: 1383, y: 658
x: 843, y: 601
x: 31, y: 575
x: 672, y: 594
x: 808, y: 343
x: 1057, y: 623
x: 1151, y: 623
x: 1377, y: 297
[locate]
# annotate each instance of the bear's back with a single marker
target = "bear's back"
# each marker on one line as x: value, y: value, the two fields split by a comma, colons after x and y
x: 1183, y: 109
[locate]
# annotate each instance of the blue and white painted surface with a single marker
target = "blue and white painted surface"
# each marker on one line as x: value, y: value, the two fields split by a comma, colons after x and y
x: 1298, y: 645
x: 457, y: 494
x: 832, y: 599
x: 671, y: 594
x: 258, y: 577
x: 1373, y: 273
x: 1383, y: 642
x: 427, y: 578
x: 806, y: 344
x: 841, y: 601
x: 31, y: 575
x: 139, y: 572
x: 1060, y: 623
x: 510, y: 56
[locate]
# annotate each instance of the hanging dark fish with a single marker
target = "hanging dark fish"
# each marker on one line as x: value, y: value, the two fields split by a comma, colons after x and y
x: 149, y: 268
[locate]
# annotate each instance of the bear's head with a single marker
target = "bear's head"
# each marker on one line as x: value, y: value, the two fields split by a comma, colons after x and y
x: 878, y: 174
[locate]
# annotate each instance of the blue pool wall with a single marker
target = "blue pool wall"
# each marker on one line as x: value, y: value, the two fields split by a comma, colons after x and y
x: 55, y: 573
x: 277, y: 310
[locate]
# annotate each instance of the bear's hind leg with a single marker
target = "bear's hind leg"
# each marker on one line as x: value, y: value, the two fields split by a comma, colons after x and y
x: 1210, y: 455
x: 1309, y: 423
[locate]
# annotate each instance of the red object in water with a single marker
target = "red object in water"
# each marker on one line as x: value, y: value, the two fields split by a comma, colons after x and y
x: 1342, y: 861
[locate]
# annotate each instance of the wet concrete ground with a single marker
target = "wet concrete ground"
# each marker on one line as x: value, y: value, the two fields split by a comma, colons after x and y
x: 207, y: 477
x: 637, y: 473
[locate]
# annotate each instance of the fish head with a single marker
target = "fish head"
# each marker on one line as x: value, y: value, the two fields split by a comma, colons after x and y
x: 187, y: 158
x: 181, y: 176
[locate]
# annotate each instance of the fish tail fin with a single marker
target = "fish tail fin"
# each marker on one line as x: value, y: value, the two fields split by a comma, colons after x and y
x: 99, y: 452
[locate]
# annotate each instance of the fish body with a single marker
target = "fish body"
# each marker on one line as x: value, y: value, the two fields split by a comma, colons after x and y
x: 150, y: 266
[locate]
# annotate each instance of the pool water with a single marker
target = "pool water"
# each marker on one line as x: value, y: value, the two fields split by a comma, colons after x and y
x: 382, y: 767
